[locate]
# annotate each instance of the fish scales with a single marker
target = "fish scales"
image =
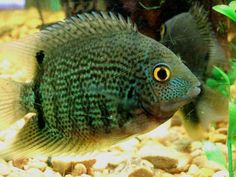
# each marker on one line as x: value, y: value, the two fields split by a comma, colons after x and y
x: 82, y: 91
x: 96, y: 81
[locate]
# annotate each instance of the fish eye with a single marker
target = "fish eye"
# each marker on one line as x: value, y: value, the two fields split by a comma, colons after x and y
x: 161, y: 72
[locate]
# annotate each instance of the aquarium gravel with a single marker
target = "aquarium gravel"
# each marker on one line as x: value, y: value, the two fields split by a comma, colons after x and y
x: 165, y: 152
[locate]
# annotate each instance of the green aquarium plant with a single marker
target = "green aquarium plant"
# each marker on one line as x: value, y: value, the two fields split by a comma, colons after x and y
x: 222, y: 81
x: 227, y: 10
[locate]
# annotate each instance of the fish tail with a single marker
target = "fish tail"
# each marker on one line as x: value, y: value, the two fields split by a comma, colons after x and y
x: 18, y: 60
x: 11, y: 107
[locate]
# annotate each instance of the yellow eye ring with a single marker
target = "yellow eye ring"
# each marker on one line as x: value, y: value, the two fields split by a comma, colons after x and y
x: 161, y: 73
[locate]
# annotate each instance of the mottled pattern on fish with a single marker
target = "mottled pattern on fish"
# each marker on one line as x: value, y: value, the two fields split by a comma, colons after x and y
x: 95, y: 85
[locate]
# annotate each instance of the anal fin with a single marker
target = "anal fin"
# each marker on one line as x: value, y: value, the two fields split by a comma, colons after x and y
x: 32, y: 141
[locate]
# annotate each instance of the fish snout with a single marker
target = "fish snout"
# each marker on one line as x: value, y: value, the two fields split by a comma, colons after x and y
x: 194, y: 91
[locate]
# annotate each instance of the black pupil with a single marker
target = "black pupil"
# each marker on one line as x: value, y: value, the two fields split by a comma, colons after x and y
x: 162, y: 74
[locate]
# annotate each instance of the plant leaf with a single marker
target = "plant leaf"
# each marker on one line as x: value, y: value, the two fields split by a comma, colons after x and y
x: 214, y: 153
x: 232, y: 5
x: 232, y: 125
x: 226, y: 10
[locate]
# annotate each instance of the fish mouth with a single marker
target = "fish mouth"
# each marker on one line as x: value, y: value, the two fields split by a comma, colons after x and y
x: 165, y: 110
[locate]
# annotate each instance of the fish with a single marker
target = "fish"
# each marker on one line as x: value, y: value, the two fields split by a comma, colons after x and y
x: 92, y: 80
x: 190, y: 36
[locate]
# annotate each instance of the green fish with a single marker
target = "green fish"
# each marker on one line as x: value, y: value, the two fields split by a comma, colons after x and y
x: 190, y: 36
x: 94, y: 80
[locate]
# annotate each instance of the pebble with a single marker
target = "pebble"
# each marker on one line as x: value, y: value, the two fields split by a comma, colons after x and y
x: 20, y: 163
x: 223, y: 173
x: 36, y: 164
x: 34, y: 172
x: 217, y: 138
x: 88, y: 163
x: 17, y: 173
x: 141, y: 172
x: 196, y: 145
x: 61, y: 166
x: 205, y: 172
x: 165, y: 158
x: 184, y: 175
x: 196, y: 153
x: 167, y: 175
x: 200, y: 161
x: 4, y: 169
x: 79, y: 169
x: 85, y: 175
x: 193, y: 169
x: 50, y: 173
x: 68, y: 175
x: 102, y: 160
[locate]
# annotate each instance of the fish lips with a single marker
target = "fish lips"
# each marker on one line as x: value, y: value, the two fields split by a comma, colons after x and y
x: 165, y: 110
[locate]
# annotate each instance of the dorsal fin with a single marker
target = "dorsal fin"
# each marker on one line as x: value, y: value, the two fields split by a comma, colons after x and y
x: 201, y: 17
x: 83, y: 25
x: 24, y: 51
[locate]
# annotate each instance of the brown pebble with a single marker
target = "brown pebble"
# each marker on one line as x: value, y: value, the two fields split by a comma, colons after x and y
x: 200, y: 161
x: 196, y: 145
x: 218, y: 138
x: 166, y: 158
x: 89, y: 163
x: 141, y: 172
x: 61, y: 166
x: 223, y: 130
x: 20, y: 163
x: 196, y: 153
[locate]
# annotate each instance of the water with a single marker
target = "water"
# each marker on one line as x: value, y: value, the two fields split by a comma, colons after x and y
x: 168, y: 150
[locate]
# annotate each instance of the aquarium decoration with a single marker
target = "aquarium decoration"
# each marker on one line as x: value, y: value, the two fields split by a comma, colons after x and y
x: 13, y: 4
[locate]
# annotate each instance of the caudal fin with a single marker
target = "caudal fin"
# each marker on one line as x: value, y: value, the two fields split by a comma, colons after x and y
x: 18, y: 61
x: 11, y: 108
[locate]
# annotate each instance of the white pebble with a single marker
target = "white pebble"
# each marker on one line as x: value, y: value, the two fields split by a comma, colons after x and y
x: 34, y: 172
x: 193, y: 169
x: 4, y: 169
x: 69, y: 175
x: 50, y: 173
x: 36, y: 164
x: 222, y: 173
